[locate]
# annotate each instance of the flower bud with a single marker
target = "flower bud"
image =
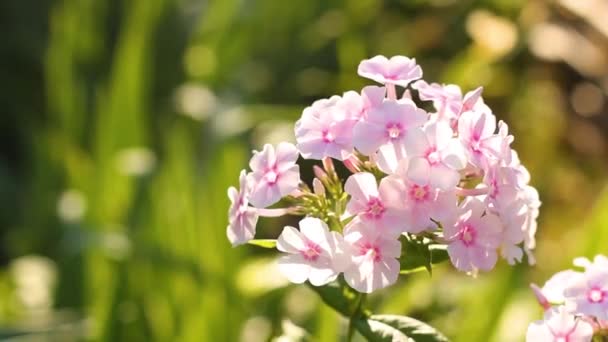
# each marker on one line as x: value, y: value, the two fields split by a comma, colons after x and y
x: 540, y: 297
x: 353, y: 164
x: 319, y: 172
x: 328, y: 164
x: 318, y: 187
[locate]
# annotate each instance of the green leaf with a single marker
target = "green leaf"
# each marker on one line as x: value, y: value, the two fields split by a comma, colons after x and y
x: 439, y: 254
x: 376, y: 331
x: 339, y: 296
x: 265, y: 243
x: 419, y: 254
x: 398, y: 328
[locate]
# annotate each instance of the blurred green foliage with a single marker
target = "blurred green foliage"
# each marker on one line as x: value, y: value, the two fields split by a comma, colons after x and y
x: 124, y: 122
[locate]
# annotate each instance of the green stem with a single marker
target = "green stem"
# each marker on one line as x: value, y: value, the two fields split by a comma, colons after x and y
x: 355, y: 316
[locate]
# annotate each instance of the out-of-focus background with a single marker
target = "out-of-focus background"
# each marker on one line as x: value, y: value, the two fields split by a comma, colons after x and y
x: 124, y: 122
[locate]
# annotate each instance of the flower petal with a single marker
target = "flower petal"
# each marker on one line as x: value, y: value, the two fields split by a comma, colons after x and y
x: 290, y: 240
x: 418, y: 170
x: 294, y: 268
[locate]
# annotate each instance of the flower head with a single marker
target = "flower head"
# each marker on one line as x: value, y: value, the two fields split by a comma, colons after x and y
x: 241, y: 217
x: 311, y: 252
x: 474, y: 237
x: 374, y: 263
x: 553, y: 290
x: 412, y: 171
x: 386, y: 127
x: 398, y: 70
x: 275, y: 174
x: 588, y: 294
x: 476, y: 131
x: 435, y: 157
x: 357, y: 105
x: 420, y: 205
x: 325, y: 133
x: 370, y: 203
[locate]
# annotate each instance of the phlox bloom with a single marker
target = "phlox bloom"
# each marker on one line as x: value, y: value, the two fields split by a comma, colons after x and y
x: 588, y: 294
x: 328, y: 134
x: 447, y: 99
x: 311, y: 252
x: 241, y: 217
x: 326, y: 128
x: 419, y: 205
x: 275, y: 174
x: 357, y: 105
x: 374, y: 263
x: 370, y: 203
x: 476, y: 131
x: 474, y: 237
x: 434, y: 156
x: 559, y: 326
x: 553, y: 290
x: 397, y: 70
x: 386, y: 127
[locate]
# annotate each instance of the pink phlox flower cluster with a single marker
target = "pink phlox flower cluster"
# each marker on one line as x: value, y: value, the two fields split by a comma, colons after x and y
x: 449, y: 175
x: 581, y: 296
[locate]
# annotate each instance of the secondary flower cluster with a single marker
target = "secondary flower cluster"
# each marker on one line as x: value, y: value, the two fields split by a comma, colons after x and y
x: 575, y: 303
x: 447, y: 175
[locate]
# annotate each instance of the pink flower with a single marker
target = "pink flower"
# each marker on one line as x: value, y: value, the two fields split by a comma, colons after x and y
x: 589, y: 293
x: 503, y: 184
x: 474, y: 237
x: 505, y: 199
x: 369, y: 202
x: 398, y: 70
x: 420, y: 204
x: 357, y: 106
x: 386, y: 127
x: 311, y: 252
x: 476, y: 131
x: 559, y: 326
x: 435, y: 157
x: 517, y: 205
x: 326, y: 133
x: 326, y: 128
x: 275, y: 174
x: 374, y: 263
x: 553, y: 290
x: 447, y: 99
x: 241, y: 217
